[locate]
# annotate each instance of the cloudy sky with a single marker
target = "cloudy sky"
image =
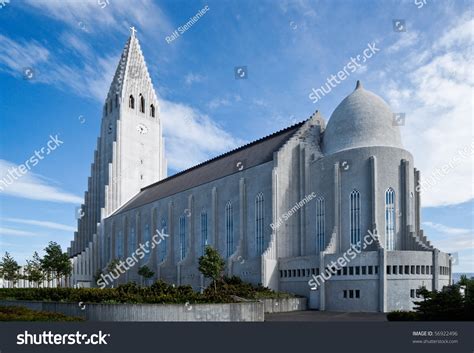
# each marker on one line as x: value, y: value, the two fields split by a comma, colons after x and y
x: 57, y: 59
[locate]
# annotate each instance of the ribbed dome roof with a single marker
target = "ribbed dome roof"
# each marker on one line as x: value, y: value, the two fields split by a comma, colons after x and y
x: 362, y: 119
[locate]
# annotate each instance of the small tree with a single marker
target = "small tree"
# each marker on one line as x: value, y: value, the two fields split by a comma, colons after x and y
x: 9, y: 269
x: 55, y: 262
x: 211, y: 265
x: 34, y: 271
x: 146, y: 273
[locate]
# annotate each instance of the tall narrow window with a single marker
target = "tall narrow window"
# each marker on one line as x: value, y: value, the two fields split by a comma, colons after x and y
x: 131, y: 102
x: 229, y: 228
x: 132, y: 241
x: 355, y: 218
x: 182, y: 237
x: 390, y: 219
x: 320, y: 223
x: 164, y: 242
x: 116, y: 101
x: 152, y: 110
x: 259, y: 221
x: 146, y: 238
x: 204, y: 240
x: 142, y: 104
x: 119, y: 245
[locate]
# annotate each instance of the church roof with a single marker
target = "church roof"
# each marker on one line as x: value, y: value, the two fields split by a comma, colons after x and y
x: 362, y: 119
x: 244, y: 157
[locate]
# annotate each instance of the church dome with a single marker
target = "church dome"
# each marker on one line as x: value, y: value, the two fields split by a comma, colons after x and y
x: 362, y: 119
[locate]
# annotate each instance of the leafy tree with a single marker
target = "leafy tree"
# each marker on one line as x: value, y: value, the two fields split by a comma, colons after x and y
x: 145, y: 272
x: 211, y: 265
x: 9, y: 269
x: 55, y: 262
x: 34, y: 270
x: 463, y: 280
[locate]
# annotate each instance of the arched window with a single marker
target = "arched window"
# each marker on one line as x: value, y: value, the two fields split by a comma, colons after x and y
x: 164, y: 242
x: 182, y: 237
x: 131, y: 102
x: 146, y: 238
x: 132, y: 241
x: 204, y: 237
x: 355, y: 218
x: 229, y: 228
x: 259, y: 221
x: 320, y: 224
x: 142, y: 104
x: 390, y: 219
x: 152, y: 110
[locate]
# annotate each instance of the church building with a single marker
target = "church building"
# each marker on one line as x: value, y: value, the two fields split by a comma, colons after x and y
x: 283, y: 211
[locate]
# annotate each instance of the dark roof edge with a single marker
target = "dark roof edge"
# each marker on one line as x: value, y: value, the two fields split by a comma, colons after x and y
x: 225, y: 154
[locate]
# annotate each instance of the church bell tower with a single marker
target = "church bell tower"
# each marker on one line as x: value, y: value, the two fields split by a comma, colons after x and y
x: 130, y: 148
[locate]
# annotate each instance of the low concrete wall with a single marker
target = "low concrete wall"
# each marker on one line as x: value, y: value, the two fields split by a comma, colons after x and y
x: 284, y: 305
x: 250, y: 311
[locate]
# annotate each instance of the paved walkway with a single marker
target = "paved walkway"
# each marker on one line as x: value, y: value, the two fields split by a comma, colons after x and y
x: 314, y: 315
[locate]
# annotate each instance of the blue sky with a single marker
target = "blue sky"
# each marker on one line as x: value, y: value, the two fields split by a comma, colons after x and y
x: 288, y: 47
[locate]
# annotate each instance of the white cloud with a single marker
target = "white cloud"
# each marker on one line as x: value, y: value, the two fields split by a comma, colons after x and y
x: 218, y: 102
x: 437, y: 100
x: 192, y: 137
x: 32, y: 186
x: 43, y: 224
x: 191, y: 78
x: 16, y: 232
x: 406, y: 40
x: 447, y: 230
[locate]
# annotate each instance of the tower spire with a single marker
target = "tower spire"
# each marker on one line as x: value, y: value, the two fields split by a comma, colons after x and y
x: 133, y: 31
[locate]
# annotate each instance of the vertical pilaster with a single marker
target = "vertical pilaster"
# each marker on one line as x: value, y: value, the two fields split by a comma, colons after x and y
x: 337, y: 206
x: 382, y: 280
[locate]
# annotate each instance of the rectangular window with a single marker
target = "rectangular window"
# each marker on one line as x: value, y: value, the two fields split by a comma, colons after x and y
x: 289, y: 273
x: 351, y: 271
x: 400, y: 269
x: 229, y: 228
x: 407, y: 269
x: 412, y: 293
x: 355, y: 218
x: 412, y: 269
x: 364, y: 270
x: 357, y: 270
x: 338, y: 272
x: 299, y: 273
x: 344, y: 293
x: 351, y: 293
x: 259, y: 223
x: 294, y: 273
x: 395, y: 270
x: 357, y: 293
x: 320, y: 224
x: 182, y: 237
x: 418, y: 270
x: 281, y: 273
x: 370, y: 270
x: 344, y: 271
x: 376, y: 269
x: 389, y: 272
x: 317, y: 271
x: 204, y: 238
x: 313, y: 271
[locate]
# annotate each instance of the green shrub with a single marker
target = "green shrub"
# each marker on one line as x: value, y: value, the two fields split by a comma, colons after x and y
x: 19, y: 313
x: 400, y: 315
x: 158, y: 292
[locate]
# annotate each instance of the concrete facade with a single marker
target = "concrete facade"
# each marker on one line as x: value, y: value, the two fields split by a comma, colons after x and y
x: 282, y: 211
